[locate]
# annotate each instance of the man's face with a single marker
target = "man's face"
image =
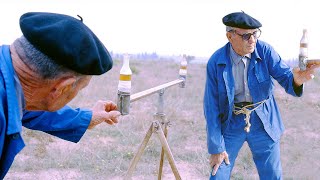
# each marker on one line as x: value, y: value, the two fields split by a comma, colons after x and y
x: 243, y: 41
x: 69, y: 93
x: 55, y: 94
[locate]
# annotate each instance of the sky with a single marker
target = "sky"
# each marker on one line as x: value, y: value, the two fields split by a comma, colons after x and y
x: 175, y: 27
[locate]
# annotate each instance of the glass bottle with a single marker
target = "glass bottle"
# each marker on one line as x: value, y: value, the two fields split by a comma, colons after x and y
x: 183, y: 70
x: 124, y: 86
x: 125, y: 76
x: 303, y: 54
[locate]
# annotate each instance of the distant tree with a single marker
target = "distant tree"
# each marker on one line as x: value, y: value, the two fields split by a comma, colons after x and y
x: 189, y: 58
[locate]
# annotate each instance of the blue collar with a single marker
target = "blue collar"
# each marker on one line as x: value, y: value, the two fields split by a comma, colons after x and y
x: 12, y: 89
x: 226, y: 50
x: 236, y: 58
x: 255, y: 54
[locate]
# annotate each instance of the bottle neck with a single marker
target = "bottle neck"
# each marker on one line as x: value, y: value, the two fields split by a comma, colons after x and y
x: 305, y: 35
x: 304, y: 40
x: 126, y: 62
x: 126, y: 67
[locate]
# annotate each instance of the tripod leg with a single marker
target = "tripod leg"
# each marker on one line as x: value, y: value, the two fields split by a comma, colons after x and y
x: 167, y: 150
x: 138, y: 155
x: 162, y: 152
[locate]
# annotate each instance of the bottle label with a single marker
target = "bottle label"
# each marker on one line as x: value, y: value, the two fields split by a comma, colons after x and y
x: 124, y: 77
x: 303, y: 45
x: 183, y: 67
x: 303, y: 52
x: 124, y: 86
x: 182, y: 72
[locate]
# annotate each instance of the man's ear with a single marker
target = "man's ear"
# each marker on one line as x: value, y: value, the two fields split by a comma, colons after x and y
x: 228, y: 34
x: 61, y: 86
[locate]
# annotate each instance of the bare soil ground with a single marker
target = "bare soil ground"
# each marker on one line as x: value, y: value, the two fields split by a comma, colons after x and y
x: 106, y: 151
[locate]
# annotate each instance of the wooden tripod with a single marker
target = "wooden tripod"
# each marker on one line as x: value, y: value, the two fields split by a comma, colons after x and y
x: 162, y: 135
x: 155, y: 128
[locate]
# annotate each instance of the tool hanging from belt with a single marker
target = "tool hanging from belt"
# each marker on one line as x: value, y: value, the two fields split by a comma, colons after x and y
x: 246, y: 111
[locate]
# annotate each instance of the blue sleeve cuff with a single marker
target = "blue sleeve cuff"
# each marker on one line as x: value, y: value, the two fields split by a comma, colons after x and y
x: 216, y: 148
x: 297, y: 89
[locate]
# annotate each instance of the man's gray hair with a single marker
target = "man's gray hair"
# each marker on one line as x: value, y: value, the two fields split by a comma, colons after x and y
x: 229, y: 28
x: 39, y: 62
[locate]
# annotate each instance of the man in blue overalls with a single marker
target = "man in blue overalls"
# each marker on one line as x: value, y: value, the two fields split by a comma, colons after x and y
x: 40, y: 73
x: 239, y: 104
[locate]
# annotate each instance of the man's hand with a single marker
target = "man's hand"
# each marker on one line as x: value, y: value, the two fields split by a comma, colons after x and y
x: 215, y: 161
x: 104, y: 111
x: 301, y: 77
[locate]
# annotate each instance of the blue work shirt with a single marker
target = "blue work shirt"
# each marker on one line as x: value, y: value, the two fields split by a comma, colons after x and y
x: 66, y: 123
x: 239, y: 70
x: 265, y: 65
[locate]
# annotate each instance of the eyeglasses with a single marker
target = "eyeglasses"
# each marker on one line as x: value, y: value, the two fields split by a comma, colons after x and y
x: 247, y: 36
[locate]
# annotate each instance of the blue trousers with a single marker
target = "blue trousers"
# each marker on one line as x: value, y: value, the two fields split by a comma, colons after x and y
x: 265, y: 152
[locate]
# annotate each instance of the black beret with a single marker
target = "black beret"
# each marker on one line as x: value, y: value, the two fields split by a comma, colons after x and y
x: 241, y: 20
x: 67, y: 41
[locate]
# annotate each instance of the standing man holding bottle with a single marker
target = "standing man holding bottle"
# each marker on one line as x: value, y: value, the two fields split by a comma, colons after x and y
x: 239, y: 104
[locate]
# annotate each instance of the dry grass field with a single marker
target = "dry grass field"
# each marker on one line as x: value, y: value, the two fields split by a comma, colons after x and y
x: 106, y: 151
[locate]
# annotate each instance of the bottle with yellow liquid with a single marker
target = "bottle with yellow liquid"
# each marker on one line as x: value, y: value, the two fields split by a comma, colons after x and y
x: 303, y: 53
x: 183, y: 71
x: 124, y: 86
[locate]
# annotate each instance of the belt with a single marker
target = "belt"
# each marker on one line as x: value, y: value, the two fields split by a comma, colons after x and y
x: 242, y: 104
x: 243, y: 108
